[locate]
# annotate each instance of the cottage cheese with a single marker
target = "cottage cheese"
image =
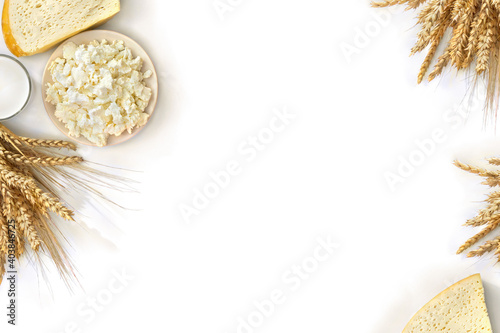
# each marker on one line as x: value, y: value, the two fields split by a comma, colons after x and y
x: 99, y: 90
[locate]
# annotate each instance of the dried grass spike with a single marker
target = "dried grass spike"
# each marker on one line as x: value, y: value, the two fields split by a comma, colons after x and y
x: 47, y: 143
x: 494, y: 161
x: 43, y: 160
x: 486, y: 38
x: 427, y: 62
x: 54, y: 205
x: 491, y: 182
x: 441, y: 64
x: 3, y: 261
x: 4, y: 236
x: 32, y: 179
x: 461, y: 34
x: 458, y: 8
x: 434, y: 21
x: 388, y: 3
x: 414, y: 4
x: 473, y: 240
x: 489, y: 246
x: 474, y: 45
x: 478, y: 171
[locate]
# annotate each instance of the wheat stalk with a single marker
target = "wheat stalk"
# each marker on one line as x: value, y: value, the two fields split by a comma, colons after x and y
x: 388, y: 3
x: 31, y: 179
x: 487, y: 247
x: 492, y: 225
x: 4, y: 232
x: 488, y: 217
x: 491, y: 182
x: 474, y: 42
x: 26, y: 220
x: 433, y: 20
x: 460, y: 41
x: 478, y: 27
x: 53, y: 204
x: 486, y: 214
x: 494, y: 160
x: 476, y: 170
x: 47, y: 143
x: 414, y: 4
x: 34, y: 160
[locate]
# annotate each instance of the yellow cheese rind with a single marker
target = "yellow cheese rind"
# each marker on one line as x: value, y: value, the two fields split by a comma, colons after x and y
x: 34, y: 26
x: 459, y: 308
x: 7, y: 33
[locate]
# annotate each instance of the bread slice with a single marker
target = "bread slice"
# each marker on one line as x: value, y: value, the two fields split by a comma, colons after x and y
x: 34, y: 26
x: 460, y: 308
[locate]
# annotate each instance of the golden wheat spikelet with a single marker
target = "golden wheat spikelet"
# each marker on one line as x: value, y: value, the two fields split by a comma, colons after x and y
x: 474, y: 44
x: 32, y: 179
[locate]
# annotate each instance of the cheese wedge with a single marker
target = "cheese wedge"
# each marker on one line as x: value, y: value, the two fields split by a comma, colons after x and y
x: 34, y: 26
x: 460, y: 308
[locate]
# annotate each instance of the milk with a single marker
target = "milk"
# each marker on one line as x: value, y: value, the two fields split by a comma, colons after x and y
x: 14, y: 87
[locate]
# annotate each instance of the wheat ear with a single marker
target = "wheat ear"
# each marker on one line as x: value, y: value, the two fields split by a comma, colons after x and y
x: 486, y: 39
x: 492, y: 225
x: 489, y: 246
x: 388, y: 3
x: 43, y: 161
x: 478, y: 171
x: 47, y: 143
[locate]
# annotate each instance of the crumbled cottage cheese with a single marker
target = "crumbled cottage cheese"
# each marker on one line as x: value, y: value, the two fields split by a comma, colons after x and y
x: 99, y: 90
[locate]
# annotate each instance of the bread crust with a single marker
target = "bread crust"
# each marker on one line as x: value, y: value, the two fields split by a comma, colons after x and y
x: 14, y: 47
x: 10, y: 41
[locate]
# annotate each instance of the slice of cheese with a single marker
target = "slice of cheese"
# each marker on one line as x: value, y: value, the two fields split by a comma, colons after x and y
x: 34, y: 26
x: 460, y: 308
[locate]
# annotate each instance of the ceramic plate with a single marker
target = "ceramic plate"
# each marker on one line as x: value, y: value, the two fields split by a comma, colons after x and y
x: 85, y: 38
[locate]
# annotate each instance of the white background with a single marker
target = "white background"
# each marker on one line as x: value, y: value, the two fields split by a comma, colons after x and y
x: 323, y: 177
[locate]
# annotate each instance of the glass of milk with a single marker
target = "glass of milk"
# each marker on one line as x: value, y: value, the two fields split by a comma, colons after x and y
x: 15, y: 87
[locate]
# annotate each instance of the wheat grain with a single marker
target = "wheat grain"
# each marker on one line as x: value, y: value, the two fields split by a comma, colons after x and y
x: 458, y: 8
x: 8, y: 205
x: 26, y: 218
x: 4, y: 236
x: 414, y: 4
x: 31, y: 178
x: 477, y: 27
x: 19, y: 236
x: 494, y: 161
x: 492, y: 225
x: 12, y: 177
x: 44, y: 202
x: 44, y: 161
x: 434, y: 37
x: 388, y: 3
x: 486, y: 38
x: 432, y: 28
x: 484, y: 216
x: 443, y: 61
x: 474, y: 42
x: 460, y: 40
x: 53, y: 204
x: 491, y: 181
x: 488, y: 217
x: 47, y: 143
x: 427, y: 62
x: 487, y: 247
x: 479, y: 171
x: 3, y: 261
